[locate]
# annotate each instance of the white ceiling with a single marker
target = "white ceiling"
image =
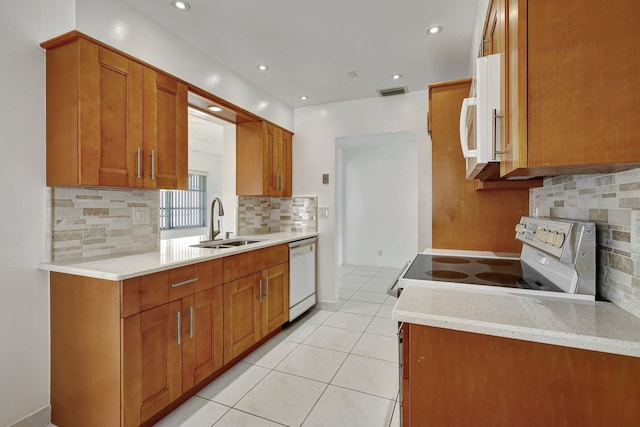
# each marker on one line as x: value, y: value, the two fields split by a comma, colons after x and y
x: 310, y: 46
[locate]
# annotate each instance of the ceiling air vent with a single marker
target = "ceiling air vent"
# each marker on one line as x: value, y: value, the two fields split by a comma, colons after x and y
x: 393, y: 91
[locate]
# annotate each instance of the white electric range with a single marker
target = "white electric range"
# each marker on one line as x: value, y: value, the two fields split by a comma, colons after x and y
x: 558, y: 259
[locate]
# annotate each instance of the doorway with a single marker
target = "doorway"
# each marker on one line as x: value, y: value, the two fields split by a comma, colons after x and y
x: 377, y: 199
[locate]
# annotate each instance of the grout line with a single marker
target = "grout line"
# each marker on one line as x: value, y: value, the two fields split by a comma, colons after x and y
x: 364, y: 392
x: 253, y: 415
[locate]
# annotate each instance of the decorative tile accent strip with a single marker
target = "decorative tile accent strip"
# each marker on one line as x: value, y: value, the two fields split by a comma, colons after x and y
x: 261, y: 215
x: 88, y: 222
x: 607, y: 200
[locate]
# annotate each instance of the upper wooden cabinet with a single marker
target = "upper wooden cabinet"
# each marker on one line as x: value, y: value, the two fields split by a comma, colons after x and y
x: 571, y: 84
x: 493, y: 36
x: 263, y: 160
x: 112, y: 121
x: 166, y: 145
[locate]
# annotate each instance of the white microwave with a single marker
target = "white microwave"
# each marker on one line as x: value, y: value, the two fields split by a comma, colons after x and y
x: 479, y: 129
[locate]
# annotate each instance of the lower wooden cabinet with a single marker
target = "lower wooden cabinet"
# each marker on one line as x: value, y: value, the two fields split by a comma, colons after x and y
x: 254, y: 306
x: 207, y: 332
x: 242, y: 315
x: 275, y: 302
x: 152, y: 362
x: 456, y: 378
x: 124, y: 351
x: 170, y: 349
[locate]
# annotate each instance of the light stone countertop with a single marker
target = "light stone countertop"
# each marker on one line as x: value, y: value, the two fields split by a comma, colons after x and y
x: 172, y: 253
x: 599, y: 326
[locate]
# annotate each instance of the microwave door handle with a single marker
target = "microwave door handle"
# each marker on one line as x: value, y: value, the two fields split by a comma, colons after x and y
x: 464, y: 135
x: 494, y: 137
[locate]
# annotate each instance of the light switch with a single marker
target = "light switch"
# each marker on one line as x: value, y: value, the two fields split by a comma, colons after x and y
x: 141, y: 216
x: 323, y: 212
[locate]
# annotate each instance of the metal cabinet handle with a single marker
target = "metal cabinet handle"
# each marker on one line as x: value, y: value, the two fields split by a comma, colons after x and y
x: 484, y: 42
x: 281, y: 182
x: 178, y: 315
x: 186, y: 282
x: 153, y: 164
x: 139, y: 166
x: 260, y: 291
x: 494, y: 136
x: 191, y: 325
x: 267, y: 295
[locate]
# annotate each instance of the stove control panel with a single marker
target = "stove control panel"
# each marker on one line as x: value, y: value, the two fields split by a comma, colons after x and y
x: 542, y: 233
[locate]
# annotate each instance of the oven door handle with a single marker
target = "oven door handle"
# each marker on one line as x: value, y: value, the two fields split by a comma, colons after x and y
x: 391, y: 288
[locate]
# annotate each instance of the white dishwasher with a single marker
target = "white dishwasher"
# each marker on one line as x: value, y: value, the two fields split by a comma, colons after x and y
x: 302, y: 276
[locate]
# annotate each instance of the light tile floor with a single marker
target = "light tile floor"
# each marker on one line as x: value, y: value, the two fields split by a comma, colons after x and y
x: 326, y: 369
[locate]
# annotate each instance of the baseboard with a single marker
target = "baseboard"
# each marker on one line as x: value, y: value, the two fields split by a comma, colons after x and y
x: 327, y: 305
x: 40, y: 418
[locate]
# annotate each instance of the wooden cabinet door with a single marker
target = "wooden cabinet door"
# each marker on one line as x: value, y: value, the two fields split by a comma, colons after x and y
x: 207, y: 334
x: 94, y: 116
x: 272, y: 161
x: 165, y: 132
x: 286, y: 163
x: 493, y: 36
x: 275, y: 298
x: 251, y: 171
x: 514, y: 159
x: 583, y: 106
x: 242, y: 315
x: 263, y: 160
x: 152, y: 362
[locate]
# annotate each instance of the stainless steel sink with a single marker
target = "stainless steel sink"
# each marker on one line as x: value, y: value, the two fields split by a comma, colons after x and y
x: 225, y: 244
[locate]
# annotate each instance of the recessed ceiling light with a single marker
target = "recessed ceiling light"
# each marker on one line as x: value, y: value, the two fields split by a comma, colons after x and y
x: 181, y: 5
x: 263, y: 67
x: 214, y: 108
x: 396, y: 76
x: 304, y: 97
x: 434, y: 29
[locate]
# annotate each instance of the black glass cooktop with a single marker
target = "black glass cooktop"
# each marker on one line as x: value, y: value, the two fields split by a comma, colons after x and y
x: 501, y: 272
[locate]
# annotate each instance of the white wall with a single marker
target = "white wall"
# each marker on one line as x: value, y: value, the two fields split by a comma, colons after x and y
x: 377, y: 190
x: 24, y: 295
x: 314, y: 153
x: 24, y: 301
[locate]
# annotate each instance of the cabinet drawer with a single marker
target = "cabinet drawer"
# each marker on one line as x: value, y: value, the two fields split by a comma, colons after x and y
x: 149, y: 291
x: 241, y: 265
x: 209, y: 275
x: 277, y: 254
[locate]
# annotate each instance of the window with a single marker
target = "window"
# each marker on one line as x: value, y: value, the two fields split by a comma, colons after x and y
x: 185, y: 208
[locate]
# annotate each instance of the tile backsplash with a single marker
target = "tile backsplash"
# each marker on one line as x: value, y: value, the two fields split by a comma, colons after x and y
x: 259, y: 215
x: 607, y: 200
x: 87, y: 222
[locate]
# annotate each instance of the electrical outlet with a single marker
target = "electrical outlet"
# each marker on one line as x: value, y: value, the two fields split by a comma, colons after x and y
x: 323, y: 212
x: 635, y: 231
x: 325, y: 178
x: 141, y: 216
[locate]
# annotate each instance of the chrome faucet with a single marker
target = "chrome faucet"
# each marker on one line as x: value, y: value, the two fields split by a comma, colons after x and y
x: 215, y: 232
